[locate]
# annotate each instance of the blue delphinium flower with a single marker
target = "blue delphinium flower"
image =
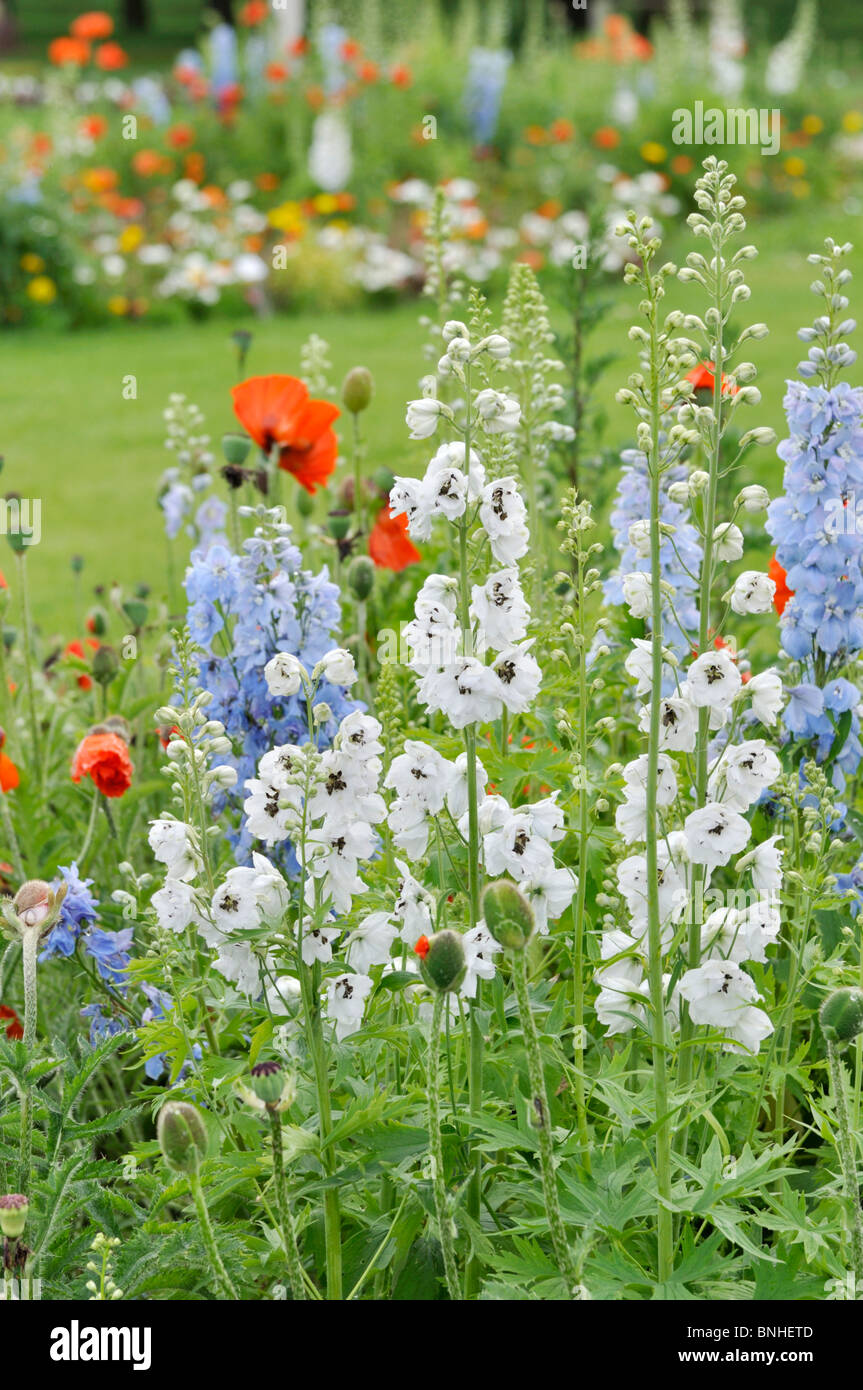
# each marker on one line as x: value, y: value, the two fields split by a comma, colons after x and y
x: 680, y: 559
x: 102, y: 1026
x: 110, y: 950
x: 79, y: 910
x: 242, y: 610
x: 486, y: 76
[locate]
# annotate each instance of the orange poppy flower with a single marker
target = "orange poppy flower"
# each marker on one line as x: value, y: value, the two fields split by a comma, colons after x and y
x: 3, y: 584
x: 95, y: 24
x: 276, y: 72
x: 561, y: 130
x: 14, y: 1029
x: 65, y: 51
x: 606, y: 138
x: 422, y: 947
x: 368, y: 71
x: 94, y: 127
x: 179, y: 136
x: 401, y: 76
x: 9, y: 778
x: 389, y: 543
x: 252, y: 13
x: 783, y: 593
x: 278, y: 413
x: 702, y: 379
x: 110, y: 57
x: 104, y: 758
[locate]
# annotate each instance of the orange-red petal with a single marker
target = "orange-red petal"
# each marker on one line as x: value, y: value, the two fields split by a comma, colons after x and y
x: 390, y: 546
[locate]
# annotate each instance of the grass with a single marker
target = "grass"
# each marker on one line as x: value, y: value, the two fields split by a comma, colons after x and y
x: 95, y: 459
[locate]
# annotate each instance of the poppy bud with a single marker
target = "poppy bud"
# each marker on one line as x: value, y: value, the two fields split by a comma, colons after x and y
x: 357, y: 389
x: 842, y: 1015
x: 508, y: 915
x: 35, y: 907
x: 384, y: 480
x: 272, y: 1088
x: 182, y: 1136
x: 443, y: 965
x: 305, y: 502
x: 236, y: 448
x: 13, y: 1214
x: 97, y: 622
x: 338, y: 524
x: 361, y: 577
x: 77, y: 563
x: 106, y: 664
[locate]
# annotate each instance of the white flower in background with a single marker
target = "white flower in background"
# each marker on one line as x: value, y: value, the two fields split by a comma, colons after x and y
x: 284, y: 674
x: 639, y: 665
x: 549, y: 891
x: 498, y: 413
x: 413, y: 907
x: 502, y: 513
x: 371, y: 942
x: 433, y: 636
x: 172, y: 843
x: 409, y: 497
x: 678, y: 723
x: 420, y: 777
x: 727, y: 542
x: 337, y: 667
x: 266, y: 818
x: 346, y: 1002
x: 238, y: 964
x: 752, y: 592
x: 714, y: 833
x: 632, y: 882
x: 519, y: 677
x: 638, y: 594
x: 480, y: 949
x: 439, y: 590
x: 280, y: 764
x: 175, y: 905
x: 283, y: 995
x: 742, y: 772
x: 331, y: 854
x: 619, y: 981
x: 456, y: 797
x: 631, y: 814
x: 753, y: 498
x: 721, y: 995
x: 499, y: 608
x: 765, y: 865
x: 422, y: 417
x: 639, y: 538
x: 713, y: 680
x: 766, y: 693
x: 330, y: 159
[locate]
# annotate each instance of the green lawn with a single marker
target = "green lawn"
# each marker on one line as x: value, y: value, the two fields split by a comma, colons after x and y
x: 94, y: 459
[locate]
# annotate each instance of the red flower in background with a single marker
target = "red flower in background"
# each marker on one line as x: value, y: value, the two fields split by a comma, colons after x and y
x: 77, y: 649
x: 278, y: 413
x: 390, y: 545
x: 110, y: 57
x: 703, y: 379
x: 422, y: 947
x: 93, y: 25
x: 3, y: 584
x: 783, y: 593
x: 104, y: 758
x: 401, y: 76
x: 8, y: 771
x: 67, y: 50
x: 14, y: 1030
x: 252, y: 13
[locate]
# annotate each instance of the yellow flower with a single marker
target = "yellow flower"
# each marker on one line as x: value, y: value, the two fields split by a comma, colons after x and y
x: 287, y: 217
x: 324, y: 203
x: 813, y: 125
x: 118, y: 304
x: 653, y: 152
x: 795, y: 166
x: 130, y: 238
x: 852, y: 121
x: 800, y: 188
x: 32, y: 263
x: 42, y: 290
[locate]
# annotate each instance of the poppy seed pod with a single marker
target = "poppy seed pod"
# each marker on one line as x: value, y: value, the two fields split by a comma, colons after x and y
x: 272, y: 1088
x: 235, y: 448
x: 357, y: 389
x: 443, y: 964
x: 14, y: 1207
x: 508, y: 915
x: 841, y: 1015
x: 361, y: 576
x: 338, y: 524
x: 182, y: 1136
x: 305, y: 502
x: 106, y: 664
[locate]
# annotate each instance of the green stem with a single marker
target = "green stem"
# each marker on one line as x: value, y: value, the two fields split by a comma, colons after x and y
x: 845, y: 1151
x: 29, y: 959
x: 27, y: 632
x: 441, y: 1201
x: 9, y: 832
x: 289, y: 1234
x: 221, y: 1275
x: 332, y: 1215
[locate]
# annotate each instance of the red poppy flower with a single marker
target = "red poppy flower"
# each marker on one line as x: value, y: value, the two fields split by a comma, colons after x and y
x: 389, y: 544
x: 401, y: 76
x: 14, y: 1030
x: 67, y: 50
x: 3, y: 584
x: 422, y: 947
x: 9, y: 778
x: 105, y: 758
x: 95, y: 24
x: 783, y: 593
x: 77, y: 649
x: 180, y: 136
x: 278, y: 414
x: 94, y: 127
x: 702, y: 379
x: 255, y: 12
x: 110, y: 57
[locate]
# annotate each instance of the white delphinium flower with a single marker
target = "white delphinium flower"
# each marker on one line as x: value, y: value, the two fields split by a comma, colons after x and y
x: 371, y: 941
x: 498, y: 413
x: 500, y: 609
x: 632, y: 882
x: 752, y: 592
x: 631, y: 814
x: 270, y: 817
x: 174, y: 844
x: 765, y: 865
x: 411, y: 498
x: 420, y: 778
x: 678, y: 723
x: 722, y: 995
x: 413, y: 907
x: 480, y: 948
x: 619, y: 981
x: 517, y: 848
x: 518, y: 677
x: 713, y: 680
x: 714, y: 833
x: 423, y: 416
x: 639, y: 665
x: 285, y: 674
x: 318, y: 942
x: 741, y: 934
x: 331, y: 853
x: 766, y: 693
x: 283, y: 995
x: 249, y: 896
x: 638, y: 594
x: 753, y: 498
x: 466, y: 691
x: 742, y: 772
x: 346, y: 1002
x: 549, y: 891
x: 457, y: 791
x: 337, y: 667
x: 433, y: 636
x: 176, y: 905
x: 450, y: 457
x: 502, y: 513
x: 727, y: 542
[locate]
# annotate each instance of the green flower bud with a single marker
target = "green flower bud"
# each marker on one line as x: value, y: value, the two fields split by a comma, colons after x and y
x: 361, y: 576
x: 305, y: 502
x: 442, y: 962
x: 106, y: 664
x: 384, y: 480
x: 13, y: 1214
x: 97, y: 622
x: 235, y: 448
x: 508, y: 915
x: 842, y: 1015
x: 338, y: 524
x: 271, y: 1088
x: 35, y: 907
x: 357, y: 389
x: 182, y: 1136
x: 77, y: 563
